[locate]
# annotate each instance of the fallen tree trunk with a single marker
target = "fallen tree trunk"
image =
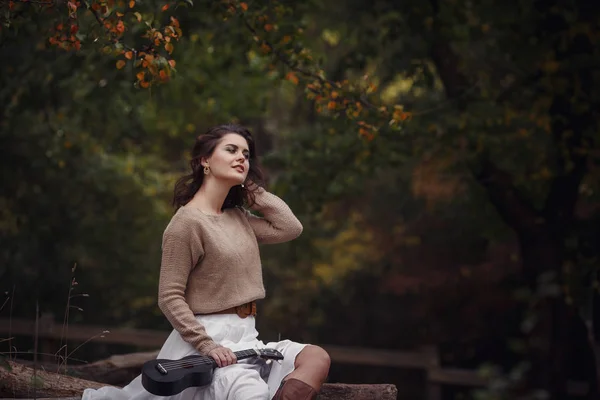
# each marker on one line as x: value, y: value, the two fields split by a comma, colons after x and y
x: 19, y: 382
x: 342, y: 391
x: 117, y: 370
x: 331, y: 391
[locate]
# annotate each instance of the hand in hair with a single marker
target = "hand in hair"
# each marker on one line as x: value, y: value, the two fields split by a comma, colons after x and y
x: 250, y: 185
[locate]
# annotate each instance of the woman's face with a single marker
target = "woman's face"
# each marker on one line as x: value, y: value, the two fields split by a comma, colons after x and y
x: 229, y: 161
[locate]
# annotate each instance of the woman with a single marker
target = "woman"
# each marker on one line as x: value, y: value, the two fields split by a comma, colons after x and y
x: 210, y: 278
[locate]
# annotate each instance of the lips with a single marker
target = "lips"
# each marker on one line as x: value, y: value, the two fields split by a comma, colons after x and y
x: 240, y: 169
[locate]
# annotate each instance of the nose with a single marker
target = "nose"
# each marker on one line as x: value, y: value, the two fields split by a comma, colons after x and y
x: 241, y: 157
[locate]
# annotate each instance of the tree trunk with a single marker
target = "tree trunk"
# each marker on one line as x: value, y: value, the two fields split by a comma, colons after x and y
x: 116, y: 370
x: 23, y: 382
x: 18, y: 382
x: 548, y: 338
x: 542, y: 233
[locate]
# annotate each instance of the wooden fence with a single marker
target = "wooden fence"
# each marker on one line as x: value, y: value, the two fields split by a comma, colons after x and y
x: 425, y: 358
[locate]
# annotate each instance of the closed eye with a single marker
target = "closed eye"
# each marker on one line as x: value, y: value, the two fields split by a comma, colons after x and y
x: 233, y: 149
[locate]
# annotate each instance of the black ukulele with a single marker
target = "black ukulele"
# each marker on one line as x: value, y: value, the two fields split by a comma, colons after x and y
x: 163, y: 377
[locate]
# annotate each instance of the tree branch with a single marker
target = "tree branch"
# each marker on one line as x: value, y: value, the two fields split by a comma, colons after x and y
x: 100, y: 21
x: 516, y: 211
x: 446, y: 62
x: 294, y: 66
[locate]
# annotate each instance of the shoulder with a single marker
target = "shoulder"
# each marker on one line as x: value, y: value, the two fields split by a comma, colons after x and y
x: 183, y: 223
x: 240, y: 212
x: 183, y: 233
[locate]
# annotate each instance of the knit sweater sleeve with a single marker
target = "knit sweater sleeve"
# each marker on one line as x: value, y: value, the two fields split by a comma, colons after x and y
x: 181, y: 250
x: 278, y: 223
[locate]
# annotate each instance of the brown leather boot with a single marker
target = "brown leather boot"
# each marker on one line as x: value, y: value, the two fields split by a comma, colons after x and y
x: 294, y: 389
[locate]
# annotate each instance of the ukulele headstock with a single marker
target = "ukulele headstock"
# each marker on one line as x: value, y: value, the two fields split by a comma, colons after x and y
x: 269, y: 354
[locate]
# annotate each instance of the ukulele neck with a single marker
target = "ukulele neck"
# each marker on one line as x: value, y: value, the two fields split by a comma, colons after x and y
x: 245, y: 354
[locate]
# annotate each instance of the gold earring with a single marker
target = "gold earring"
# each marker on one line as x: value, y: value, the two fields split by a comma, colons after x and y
x: 206, y: 170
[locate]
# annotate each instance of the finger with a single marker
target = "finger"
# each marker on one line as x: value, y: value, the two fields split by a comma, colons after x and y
x: 227, y: 358
x: 217, y: 358
x: 223, y: 358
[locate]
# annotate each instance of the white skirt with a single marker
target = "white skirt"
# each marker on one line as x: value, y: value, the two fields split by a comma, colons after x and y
x: 250, y: 379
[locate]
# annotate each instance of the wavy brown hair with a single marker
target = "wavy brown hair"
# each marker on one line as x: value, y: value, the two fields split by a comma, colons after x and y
x: 238, y: 196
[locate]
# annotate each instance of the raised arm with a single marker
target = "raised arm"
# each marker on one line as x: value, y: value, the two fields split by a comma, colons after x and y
x: 278, y: 224
x: 181, y: 250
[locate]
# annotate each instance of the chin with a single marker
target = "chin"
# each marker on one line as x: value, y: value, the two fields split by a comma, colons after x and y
x: 237, y: 180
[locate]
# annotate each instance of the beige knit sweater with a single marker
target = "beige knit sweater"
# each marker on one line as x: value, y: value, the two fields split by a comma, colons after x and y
x: 212, y: 262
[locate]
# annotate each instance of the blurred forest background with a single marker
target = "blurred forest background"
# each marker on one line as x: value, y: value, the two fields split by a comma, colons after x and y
x: 470, y: 221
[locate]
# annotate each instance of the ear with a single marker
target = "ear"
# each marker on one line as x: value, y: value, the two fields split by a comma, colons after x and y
x: 204, y: 162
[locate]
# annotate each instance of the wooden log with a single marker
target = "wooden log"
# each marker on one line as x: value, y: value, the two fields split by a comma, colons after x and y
x: 117, y: 370
x: 18, y: 383
x: 339, y: 391
x: 330, y: 391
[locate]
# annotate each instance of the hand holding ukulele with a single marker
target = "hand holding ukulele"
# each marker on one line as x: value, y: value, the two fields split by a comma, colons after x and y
x: 223, y: 356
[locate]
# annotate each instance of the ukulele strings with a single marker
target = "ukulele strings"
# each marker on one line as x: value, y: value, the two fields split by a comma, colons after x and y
x: 183, y: 364
x: 170, y: 365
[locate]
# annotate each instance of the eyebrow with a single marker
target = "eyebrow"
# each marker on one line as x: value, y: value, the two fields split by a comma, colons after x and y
x: 236, y: 147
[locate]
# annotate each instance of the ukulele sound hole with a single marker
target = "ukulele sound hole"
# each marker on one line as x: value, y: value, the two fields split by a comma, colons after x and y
x: 188, y: 365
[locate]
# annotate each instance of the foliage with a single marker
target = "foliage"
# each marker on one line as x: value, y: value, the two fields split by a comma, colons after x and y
x: 88, y: 162
x: 436, y: 153
x: 501, y: 123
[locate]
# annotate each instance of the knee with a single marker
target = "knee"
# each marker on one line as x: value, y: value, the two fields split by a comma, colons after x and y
x: 253, y: 390
x: 320, y: 358
x: 324, y: 358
